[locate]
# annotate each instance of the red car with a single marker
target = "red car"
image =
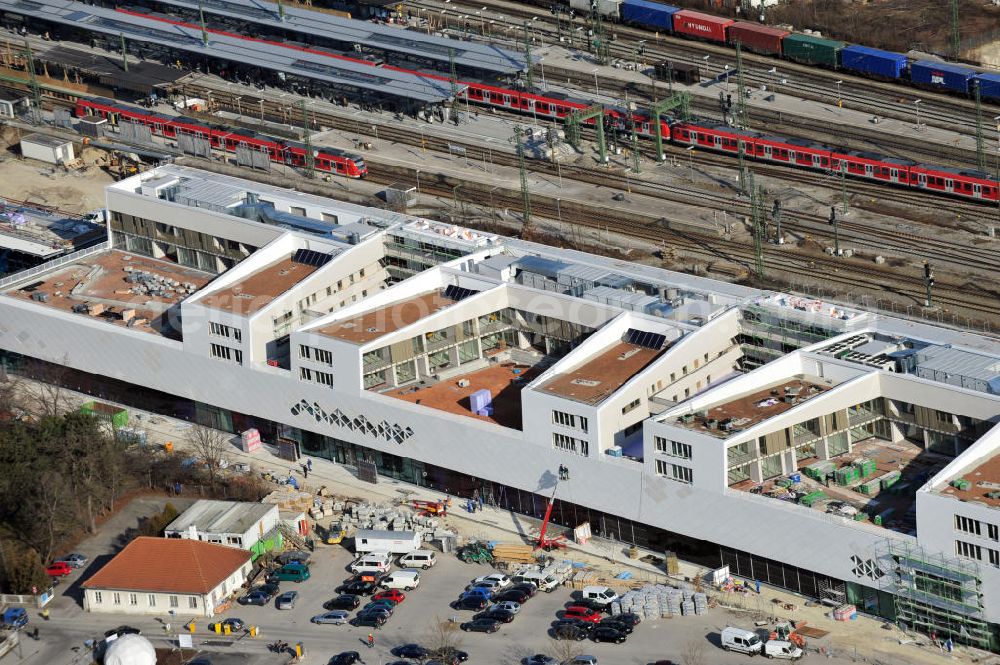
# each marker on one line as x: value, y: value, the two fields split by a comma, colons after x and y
x: 583, y: 614
x: 394, y: 595
x: 58, y: 569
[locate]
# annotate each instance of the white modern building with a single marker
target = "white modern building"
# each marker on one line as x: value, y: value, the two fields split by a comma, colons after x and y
x: 830, y: 451
x: 241, y: 524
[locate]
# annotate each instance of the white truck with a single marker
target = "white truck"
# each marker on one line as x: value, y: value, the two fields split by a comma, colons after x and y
x: 782, y: 649
x: 390, y: 542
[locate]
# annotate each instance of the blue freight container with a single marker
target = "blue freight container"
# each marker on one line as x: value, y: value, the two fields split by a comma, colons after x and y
x: 989, y: 86
x: 942, y: 74
x: 866, y: 60
x: 649, y: 14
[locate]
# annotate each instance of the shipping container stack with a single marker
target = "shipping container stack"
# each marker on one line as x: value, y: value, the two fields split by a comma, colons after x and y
x: 758, y: 38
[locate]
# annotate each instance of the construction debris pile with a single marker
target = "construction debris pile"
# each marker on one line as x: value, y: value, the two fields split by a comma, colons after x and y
x: 149, y: 283
x: 654, y: 601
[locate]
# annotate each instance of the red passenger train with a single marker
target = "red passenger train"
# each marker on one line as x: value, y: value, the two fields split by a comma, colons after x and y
x: 329, y: 160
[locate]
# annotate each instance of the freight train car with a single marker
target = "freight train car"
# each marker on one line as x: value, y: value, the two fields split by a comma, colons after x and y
x: 649, y: 14
x: 757, y: 38
x: 811, y: 50
x: 989, y: 86
x: 873, y: 62
x: 702, y: 26
x: 934, y: 74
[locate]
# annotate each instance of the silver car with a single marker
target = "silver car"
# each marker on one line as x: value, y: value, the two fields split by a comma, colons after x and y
x: 75, y: 560
x: 507, y: 606
x: 336, y: 617
x: 286, y: 601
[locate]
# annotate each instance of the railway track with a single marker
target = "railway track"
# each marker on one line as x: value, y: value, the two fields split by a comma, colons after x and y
x: 890, y: 100
x: 657, y: 228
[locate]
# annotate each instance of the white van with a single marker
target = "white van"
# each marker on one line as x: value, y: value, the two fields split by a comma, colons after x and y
x: 599, y: 594
x: 541, y: 581
x: 402, y: 579
x: 782, y: 649
x: 419, y: 559
x: 376, y: 562
x: 744, y: 641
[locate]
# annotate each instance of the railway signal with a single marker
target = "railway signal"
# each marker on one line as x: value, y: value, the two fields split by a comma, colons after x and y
x: 836, y: 231
x: 928, y: 283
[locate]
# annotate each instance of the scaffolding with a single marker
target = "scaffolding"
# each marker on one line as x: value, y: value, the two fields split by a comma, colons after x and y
x: 937, y: 593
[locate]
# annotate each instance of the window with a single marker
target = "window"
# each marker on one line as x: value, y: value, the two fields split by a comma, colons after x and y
x: 631, y: 406
x: 968, y: 550
x: 329, y: 290
x: 673, y: 448
x: 173, y: 601
x: 662, y: 467
x: 152, y: 600
x: 324, y: 378
x: 304, y: 351
x: 116, y: 598
x: 361, y: 273
x: 133, y: 599
x: 193, y: 602
x: 994, y: 557
x: 323, y: 356
x: 305, y: 374
x: 991, y: 532
x: 943, y: 416
x: 569, y: 444
x: 681, y: 473
x: 226, y: 353
x: 569, y: 420
x: 968, y: 525
x: 98, y: 598
x: 220, y: 330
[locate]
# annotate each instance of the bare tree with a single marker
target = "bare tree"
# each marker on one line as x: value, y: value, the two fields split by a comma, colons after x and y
x: 565, y: 650
x: 51, y: 397
x: 443, y: 638
x: 210, y: 446
x: 694, y: 652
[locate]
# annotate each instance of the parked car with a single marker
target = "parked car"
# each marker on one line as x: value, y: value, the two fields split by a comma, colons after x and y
x: 392, y: 594
x: 493, y: 585
x: 75, y: 560
x: 270, y: 588
x: 290, y: 573
x: 527, y: 588
x: 508, y: 605
x: 595, y: 605
x: 235, y: 625
x: 608, y: 634
x: 255, y: 597
x: 744, y: 641
x: 512, y: 595
x: 295, y: 556
x: 582, y: 660
x: 14, y: 618
x: 630, y: 618
x: 570, y: 631
x: 471, y: 603
x: 286, y: 601
x: 582, y: 613
x: 500, y: 579
x: 410, y: 651
x: 450, y: 656
x: 373, y: 620
x: 343, y: 602
x: 358, y: 588
x: 58, y: 569
x: 386, y: 606
x: 482, y: 592
x: 613, y: 622
x: 503, y: 616
x: 379, y: 610
x: 782, y: 649
x: 540, y: 659
x: 481, y: 626
x: 336, y: 617
x: 345, y: 658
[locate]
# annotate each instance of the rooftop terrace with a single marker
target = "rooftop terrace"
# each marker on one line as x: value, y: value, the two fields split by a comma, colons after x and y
x: 504, y: 381
x: 379, y: 322
x: 981, y: 481
x: 120, y: 288
x: 744, y: 412
x: 258, y: 290
x: 602, y: 375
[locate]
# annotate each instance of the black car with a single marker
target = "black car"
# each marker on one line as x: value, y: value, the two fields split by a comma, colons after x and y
x: 122, y: 630
x: 503, y: 616
x: 613, y: 622
x: 471, y: 603
x: 608, y: 634
x: 374, y: 620
x: 569, y: 631
x: 450, y: 656
x: 344, y: 601
x: 481, y: 625
x: 529, y: 589
x: 345, y: 658
x: 358, y: 588
x: 514, y: 595
x: 590, y: 604
x: 255, y: 597
x: 410, y: 651
x: 630, y: 618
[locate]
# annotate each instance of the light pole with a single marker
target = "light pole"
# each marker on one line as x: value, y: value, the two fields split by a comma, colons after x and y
x: 559, y: 213
x: 840, y: 100
x: 690, y: 151
x: 916, y: 105
x: 597, y: 88
x: 418, y: 183
x: 239, y: 110
x: 261, y: 100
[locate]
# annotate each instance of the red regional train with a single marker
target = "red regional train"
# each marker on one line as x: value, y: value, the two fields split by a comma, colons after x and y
x: 329, y: 160
x: 967, y: 184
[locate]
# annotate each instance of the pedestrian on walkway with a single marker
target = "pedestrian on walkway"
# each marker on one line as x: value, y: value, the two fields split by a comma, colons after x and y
x: 305, y: 470
x: 371, y: 640
x: 309, y: 463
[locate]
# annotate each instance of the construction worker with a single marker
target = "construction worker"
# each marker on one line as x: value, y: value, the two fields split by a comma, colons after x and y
x: 371, y: 640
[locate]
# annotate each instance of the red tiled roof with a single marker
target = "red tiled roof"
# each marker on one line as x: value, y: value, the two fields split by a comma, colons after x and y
x: 169, y: 565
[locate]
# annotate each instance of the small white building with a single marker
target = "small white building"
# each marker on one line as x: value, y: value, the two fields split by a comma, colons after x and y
x: 12, y: 103
x: 160, y: 575
x: 51, y: 149
x: 233, y: 523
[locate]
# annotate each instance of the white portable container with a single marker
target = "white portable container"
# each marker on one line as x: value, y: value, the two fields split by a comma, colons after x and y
x: 392, y: 542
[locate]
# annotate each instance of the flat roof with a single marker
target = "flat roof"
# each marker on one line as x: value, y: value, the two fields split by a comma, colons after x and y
x: 101, y: 280
x: 599, y: 377
x: 272, y: 56
x: 378, y: 36
x: 983, y: 479
x: 378, y: 322
x: 211, y: 516
x: 45, y: 140
x: 259, y: 289
x: 753, y: 408
x: 504, y: 381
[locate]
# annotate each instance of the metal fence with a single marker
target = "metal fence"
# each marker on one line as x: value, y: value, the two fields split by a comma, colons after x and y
x: 54, y: 263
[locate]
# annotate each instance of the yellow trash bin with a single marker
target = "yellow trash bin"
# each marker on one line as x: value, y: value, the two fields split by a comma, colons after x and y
x: 191, y: 627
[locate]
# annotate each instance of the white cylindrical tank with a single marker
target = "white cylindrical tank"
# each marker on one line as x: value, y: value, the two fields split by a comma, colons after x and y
x: 130, y: 650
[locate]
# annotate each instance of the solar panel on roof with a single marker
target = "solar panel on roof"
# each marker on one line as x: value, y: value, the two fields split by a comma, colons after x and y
x: 457, y: 293
x: 648, y: 340
x: 311, y: 258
